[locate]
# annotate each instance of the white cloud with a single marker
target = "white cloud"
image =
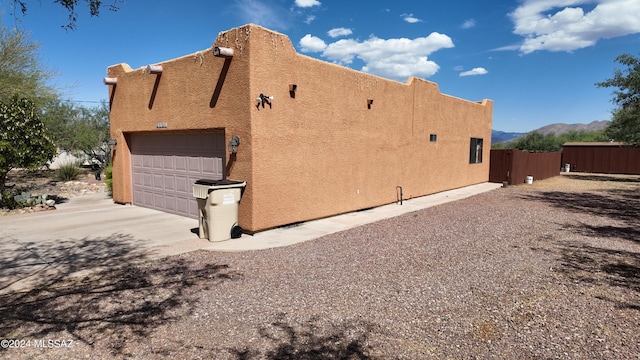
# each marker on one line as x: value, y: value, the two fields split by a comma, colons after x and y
x: 337, y: 32
x: 391, y: 58
x: 307, y: 3
x: 410, y: 18
x: 468, y: 24
x: 312, y: 44
x: 474, y: 71
x: 261, y: 13
x: 310, y: 19
x: 507, y: 48
x: 563, y: 25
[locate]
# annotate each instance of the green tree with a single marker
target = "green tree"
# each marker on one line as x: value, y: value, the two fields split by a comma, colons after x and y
x: 91, y: 134
x: 57, y: 116
x: 581, y: 136
x: 21, y: 74
x: 625, y: 125
x: 70, y: 5
x: 23, y: 139
x: 536, y: 142
x: 81, y: 131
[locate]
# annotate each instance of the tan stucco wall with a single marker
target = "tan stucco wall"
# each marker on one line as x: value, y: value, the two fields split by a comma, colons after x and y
x: 324, y: 152
x: 320, y: 153
x: 185, y: 98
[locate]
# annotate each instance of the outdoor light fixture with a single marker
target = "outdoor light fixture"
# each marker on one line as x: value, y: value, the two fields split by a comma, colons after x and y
x: 222, y: 52
x: 233, y: 144
x: 154, y: 69
x: 292, y: 90
x: 110, y: 81
x: 263, y: 99
x: 369, y: 103
x: 112, y: 142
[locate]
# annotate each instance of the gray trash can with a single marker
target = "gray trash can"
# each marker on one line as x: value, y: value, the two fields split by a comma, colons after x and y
x: 218, y: 202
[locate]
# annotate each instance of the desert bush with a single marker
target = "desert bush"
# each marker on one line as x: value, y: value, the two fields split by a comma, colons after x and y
x: 8, y: 201
x: 108, y: 174
x: 68, y: 172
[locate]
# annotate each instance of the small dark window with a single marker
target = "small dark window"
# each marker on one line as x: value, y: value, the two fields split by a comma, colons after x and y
x: 433, y: 137
x: 475, y: 151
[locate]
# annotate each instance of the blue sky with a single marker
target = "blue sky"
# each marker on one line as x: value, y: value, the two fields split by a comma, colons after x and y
x: 538, y: 60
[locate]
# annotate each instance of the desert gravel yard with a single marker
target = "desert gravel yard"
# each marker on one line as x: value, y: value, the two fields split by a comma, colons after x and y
x: 548, y: 271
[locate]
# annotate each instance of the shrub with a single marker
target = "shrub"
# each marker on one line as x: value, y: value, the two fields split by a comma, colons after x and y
x: 108, y: 174
x: 68, y: 172
x: 18, y: 199
x: 8, y: 200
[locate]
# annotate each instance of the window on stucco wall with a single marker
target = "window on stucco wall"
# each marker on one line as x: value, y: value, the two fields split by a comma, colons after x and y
x: 475, y: 151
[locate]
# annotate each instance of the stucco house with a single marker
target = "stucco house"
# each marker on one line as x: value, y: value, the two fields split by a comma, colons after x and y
x: 315, y: 139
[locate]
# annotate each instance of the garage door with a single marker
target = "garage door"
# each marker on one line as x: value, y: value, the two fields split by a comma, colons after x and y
x: 165, y: 166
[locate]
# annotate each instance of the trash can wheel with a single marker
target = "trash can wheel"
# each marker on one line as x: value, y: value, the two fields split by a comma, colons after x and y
x: 236, y: 232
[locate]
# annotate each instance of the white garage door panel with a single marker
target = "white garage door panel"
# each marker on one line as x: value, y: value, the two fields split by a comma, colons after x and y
x: 169, y: 183
x: 181, y: 164
x: 165, y: 166
x: 183, y: 183
x: 167, y: 163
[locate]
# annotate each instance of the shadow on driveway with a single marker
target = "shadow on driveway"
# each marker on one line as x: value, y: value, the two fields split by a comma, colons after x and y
x: 30, y: 263
x: 127, y: 298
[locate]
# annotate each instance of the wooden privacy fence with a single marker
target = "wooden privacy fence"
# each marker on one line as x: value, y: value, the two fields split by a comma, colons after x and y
x: 513, y: 166
x: 608, y: 158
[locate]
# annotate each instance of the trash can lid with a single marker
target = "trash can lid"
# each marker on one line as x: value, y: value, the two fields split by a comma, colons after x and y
x: 218, y: 182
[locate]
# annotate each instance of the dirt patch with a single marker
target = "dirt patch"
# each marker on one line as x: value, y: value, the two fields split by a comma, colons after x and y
x: 585, y: 182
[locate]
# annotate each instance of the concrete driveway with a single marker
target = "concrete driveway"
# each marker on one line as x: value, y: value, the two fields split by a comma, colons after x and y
x: 87, y: 233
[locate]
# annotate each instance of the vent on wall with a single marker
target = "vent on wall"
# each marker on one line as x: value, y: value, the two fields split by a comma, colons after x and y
x: 222, y: 52
x: 153, y: 69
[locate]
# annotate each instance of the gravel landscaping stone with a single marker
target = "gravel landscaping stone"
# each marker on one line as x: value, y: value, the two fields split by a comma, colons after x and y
x: 547, y: 271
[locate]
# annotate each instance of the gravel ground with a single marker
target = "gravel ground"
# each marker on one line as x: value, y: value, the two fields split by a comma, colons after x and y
x: 549, y: 271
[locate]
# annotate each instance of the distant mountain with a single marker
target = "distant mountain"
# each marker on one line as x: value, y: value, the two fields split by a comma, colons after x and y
x: 501, y: 136
x: 556, y: 129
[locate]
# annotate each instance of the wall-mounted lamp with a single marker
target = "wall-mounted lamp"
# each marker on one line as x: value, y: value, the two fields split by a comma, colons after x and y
x: 263, y: 99
x: 112, y: 142
x: 222, y: 52
x: 292, y: 90
x: 154, y: 69
x: 369, y: 103
x: 233, y: 144
x: 110, y: 81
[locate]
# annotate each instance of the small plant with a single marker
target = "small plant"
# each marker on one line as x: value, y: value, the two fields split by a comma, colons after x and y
x: 26, y: 200
x: 8, y: 200
x: 68, y: 172
x: 108, y: 174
